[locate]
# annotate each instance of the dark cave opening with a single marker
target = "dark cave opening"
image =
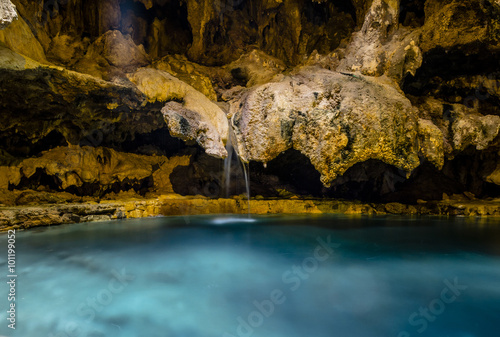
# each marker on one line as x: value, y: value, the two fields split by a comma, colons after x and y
x: 204, y: 175
x: 462, y: 60
x: 163, y: 27
x: 40, y: 179
x: 375, y: 181
x: 291, y: 171
x: 317, y: 13
x: 412, y: 13
x: 458, y: 76
x: 156, y: 142
x: 325, y: 24
x: 367, y: 181
x: 20, y: 146
x: 346, y: 7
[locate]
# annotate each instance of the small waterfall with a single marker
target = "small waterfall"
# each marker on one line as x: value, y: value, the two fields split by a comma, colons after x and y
x: 231, y: 138
x: 227, y: 163
x: 247, y: 182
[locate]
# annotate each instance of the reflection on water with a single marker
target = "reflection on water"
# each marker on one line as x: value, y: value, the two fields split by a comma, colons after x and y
x: 276, y: 276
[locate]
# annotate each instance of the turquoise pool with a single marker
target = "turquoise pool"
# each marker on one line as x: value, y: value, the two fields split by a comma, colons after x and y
x: 269, y: 276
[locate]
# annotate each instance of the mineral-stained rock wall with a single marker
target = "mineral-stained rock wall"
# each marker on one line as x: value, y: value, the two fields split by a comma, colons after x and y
x: 392, y: 100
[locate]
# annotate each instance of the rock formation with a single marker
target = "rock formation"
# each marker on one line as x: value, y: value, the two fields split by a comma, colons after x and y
x: 7, y: 13
x: 381, y: 100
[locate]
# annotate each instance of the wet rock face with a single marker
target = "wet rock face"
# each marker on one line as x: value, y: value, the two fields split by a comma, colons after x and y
x: 374, y: 100
x: 335, y: 119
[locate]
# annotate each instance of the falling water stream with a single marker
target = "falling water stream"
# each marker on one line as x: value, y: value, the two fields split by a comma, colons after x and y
x: 227, y: 165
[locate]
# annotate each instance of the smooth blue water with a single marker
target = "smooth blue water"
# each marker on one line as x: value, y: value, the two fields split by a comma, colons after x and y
x: 324, y: 276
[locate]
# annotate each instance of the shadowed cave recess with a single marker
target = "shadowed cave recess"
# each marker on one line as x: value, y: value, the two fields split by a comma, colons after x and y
x: 376, y: 101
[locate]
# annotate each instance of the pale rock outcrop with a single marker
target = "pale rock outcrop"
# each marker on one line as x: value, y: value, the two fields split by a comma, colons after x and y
x: 7, y: 13
x: 380, y: 48
x: 336, y: 120
x: 473, y: 130
x: 192, y: 73
x: 451, y: 128
x: 196, y: 118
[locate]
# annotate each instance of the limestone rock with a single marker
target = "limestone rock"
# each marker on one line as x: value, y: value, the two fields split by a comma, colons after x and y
x: 494, y: 177
x: 431, y: 142
x: 255, y: 68
x: 66, y: 49
x: 19, y: 37
x: 459, y: 23
x: 200, y: 13
x: 75, y: 166
x: 49, y: 99
x: 112, y: 51
x: 197, y: 118
x: 7, y: 13
x: 193, y: 74
x: 473, y: 129
x: 336, y: 120
x: 379, y: 48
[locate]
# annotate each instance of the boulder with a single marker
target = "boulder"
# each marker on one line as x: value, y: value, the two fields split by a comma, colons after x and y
x: 335, y: 119
x: 196, y: 118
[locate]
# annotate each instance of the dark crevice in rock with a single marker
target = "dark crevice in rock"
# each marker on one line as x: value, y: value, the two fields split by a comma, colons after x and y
x: 204, y: 175
x: 41, y: 181
x: 291, y: 171
x: 374, y: 181
x: 467, y: 75
x: 52, y: 140
x: 447, y: 64
x: 366, y: 181
x: 157, y: 142
x: 163, y: 27
x: 411, y: 13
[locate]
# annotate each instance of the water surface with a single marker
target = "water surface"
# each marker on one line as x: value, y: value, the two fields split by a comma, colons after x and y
x: 271, y: 276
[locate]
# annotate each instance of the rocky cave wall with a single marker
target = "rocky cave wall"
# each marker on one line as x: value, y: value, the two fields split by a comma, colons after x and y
x: 380, y: 100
